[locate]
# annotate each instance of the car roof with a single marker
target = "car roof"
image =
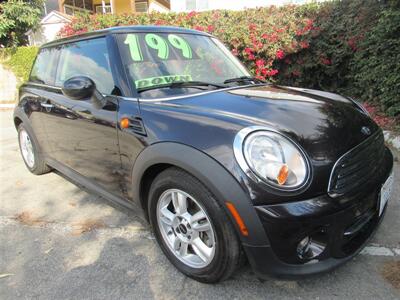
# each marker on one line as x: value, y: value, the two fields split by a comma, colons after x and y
x: 123, y: 29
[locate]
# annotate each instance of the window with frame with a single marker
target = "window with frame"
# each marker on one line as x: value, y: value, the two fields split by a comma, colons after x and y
x: 44, y: 68
x: 73, y: 10
x: 99, y: 9
x: 86, y: 58
x: 141, y: 6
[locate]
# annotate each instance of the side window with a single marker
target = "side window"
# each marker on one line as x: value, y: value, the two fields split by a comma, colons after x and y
x: 44, y: 69
x: 86, y: 58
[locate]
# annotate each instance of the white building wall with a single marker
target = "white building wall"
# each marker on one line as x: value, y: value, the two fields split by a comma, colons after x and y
x: 44, y: 34
x: 49, y: 27
x: 181, y: 5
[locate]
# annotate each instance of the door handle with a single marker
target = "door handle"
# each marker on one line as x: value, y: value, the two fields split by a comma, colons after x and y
x: 46, y: 105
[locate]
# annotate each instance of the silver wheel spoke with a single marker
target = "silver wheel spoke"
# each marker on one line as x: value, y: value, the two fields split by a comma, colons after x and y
x: 183, y: 250
x: 204, y: 226
x: 180, y: 203
x: 167, y: 216
x: 176, y: 243
x: 200, y: 215
x: 201, y: 249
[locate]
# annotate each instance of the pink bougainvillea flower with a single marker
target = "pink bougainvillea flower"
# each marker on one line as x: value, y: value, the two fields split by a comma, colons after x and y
x: 352, y: 42
x: 304, y: 44
x: 252, y: 26
x: 280, y: 54
x: 296, y: 73
x: 260, y: 63
x: 210, y: 28
x: 199, y: 28
x: 326, y: 61
x: 191, y: 15
x: 309, y: 24
x: 273, y: 72
x: 235, y: 52
x: 248, y: 50
x: 260, y: 77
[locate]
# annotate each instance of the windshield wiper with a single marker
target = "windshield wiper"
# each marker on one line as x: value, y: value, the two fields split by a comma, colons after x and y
x: 181, y: 84
x: 244, y: 79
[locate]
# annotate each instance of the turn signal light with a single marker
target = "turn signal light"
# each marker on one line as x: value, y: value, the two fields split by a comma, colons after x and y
x: 124, y: 123
x: 238, y: 218
x: 283, y: 175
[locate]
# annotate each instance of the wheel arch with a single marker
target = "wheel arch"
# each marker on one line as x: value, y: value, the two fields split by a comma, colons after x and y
x: 17, y: 122
x: 157, y: 157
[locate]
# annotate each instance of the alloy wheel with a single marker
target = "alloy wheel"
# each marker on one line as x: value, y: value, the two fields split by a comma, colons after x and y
x: 186, y: 228
x: 27, y: 148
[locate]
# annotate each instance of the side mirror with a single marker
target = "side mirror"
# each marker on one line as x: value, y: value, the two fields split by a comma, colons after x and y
x: 78, y: 87
x: 82, y: 88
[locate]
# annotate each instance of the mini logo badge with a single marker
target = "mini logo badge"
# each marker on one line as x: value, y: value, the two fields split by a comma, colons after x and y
x: 365, y: 130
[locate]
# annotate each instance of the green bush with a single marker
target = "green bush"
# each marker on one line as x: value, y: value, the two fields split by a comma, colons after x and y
x: 325, y: 64
x: 377, y: 65
x: 19, y: 60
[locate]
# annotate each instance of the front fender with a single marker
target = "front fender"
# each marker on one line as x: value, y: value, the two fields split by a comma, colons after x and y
x: 213, y: 175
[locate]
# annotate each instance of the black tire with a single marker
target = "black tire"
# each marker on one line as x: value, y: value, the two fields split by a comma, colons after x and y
x: 39, y: 167
x: 228, y: 253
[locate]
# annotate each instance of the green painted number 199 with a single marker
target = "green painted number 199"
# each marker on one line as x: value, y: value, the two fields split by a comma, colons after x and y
x: 156, y: 42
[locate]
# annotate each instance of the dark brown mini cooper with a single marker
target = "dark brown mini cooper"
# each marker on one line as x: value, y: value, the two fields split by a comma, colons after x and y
x: 167, y: 122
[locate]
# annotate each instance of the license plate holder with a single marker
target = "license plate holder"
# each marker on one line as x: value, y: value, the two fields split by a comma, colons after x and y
x: 385, y: 193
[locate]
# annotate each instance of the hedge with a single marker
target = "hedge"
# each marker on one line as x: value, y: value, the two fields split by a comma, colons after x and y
x: 377, y: 67
x: 19, y: 60
x: 350, y: 47
x: 259, y: 37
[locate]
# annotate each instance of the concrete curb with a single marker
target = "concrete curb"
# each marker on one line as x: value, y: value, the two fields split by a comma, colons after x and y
x: 393, y: 139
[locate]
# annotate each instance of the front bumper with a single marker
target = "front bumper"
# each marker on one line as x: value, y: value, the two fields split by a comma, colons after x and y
x: 343, y: 225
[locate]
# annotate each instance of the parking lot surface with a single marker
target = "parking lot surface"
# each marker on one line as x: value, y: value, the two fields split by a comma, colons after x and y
x: 58, y: 241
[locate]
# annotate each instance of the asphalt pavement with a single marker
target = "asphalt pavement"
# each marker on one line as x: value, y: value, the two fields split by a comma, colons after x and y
x: 58, y: 241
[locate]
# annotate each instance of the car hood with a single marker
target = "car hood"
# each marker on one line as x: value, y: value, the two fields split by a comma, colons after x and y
x: 326, y: 125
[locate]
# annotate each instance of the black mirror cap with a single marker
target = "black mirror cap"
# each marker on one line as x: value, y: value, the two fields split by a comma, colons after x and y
x: 78, y: 87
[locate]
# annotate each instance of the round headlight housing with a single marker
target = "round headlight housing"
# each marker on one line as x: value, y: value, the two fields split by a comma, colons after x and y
x: 272, y: 158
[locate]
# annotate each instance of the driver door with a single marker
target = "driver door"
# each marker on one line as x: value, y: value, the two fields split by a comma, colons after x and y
x: 80, y: 136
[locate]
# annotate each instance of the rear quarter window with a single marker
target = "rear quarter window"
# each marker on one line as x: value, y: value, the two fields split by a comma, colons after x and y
x: 44, y: 68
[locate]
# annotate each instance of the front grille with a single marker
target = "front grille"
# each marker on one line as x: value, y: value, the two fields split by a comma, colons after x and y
x: 358, y: 167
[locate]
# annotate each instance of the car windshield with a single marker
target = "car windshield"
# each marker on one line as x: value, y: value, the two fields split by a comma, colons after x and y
x: 171, y: 64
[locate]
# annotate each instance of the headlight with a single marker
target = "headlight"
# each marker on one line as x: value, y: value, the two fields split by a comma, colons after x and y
x: 271, y: 158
